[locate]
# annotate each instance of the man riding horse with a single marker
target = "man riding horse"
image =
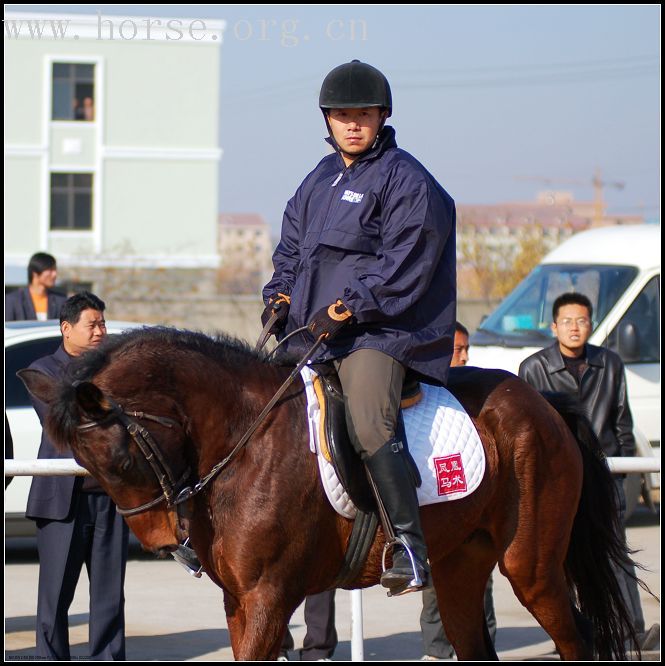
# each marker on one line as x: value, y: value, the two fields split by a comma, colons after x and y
x: 366, y: 260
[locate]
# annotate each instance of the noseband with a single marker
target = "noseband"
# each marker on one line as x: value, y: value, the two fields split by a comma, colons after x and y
x: 171, y: 487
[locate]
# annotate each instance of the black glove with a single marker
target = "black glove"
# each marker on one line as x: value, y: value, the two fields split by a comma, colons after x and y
x: 330, y: 320
x: 279, y: 304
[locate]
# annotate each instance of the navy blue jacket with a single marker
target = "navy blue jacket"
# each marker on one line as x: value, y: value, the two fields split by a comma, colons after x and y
x: 50, y: 496
x: 19, y: 305
x: 380, y: 235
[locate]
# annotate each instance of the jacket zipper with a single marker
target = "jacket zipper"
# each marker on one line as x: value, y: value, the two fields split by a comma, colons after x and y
x: 334, y: 189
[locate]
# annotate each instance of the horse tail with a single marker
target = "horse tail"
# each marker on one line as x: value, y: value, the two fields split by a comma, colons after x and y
x: 597, y: 547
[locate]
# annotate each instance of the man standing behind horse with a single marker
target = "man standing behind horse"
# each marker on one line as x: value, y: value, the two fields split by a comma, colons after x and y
x: 76, y: 520
x: 597, y: 378
x: 366, y: 260
x: 38, y: 300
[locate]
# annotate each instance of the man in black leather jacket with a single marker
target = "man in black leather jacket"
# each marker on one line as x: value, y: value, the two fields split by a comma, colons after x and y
x: 596, y: 376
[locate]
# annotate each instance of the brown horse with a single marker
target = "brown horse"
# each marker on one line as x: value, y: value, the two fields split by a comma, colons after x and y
x: 264, y: 530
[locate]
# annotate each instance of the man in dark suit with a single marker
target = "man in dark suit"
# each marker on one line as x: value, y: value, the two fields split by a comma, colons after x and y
x: 76, y: 520
x: 38, y: 300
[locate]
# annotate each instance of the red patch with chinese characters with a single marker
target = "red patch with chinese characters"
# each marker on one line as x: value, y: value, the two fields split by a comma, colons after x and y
x: 450, y: 474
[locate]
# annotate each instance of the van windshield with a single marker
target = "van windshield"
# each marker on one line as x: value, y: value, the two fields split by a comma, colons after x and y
x: 525, y: 315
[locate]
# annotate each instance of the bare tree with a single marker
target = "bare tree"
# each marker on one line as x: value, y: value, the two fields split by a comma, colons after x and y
x: 490, y: 267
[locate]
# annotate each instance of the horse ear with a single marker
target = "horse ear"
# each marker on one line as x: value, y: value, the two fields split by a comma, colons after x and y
x: 40, y: 385
x: 91, y: 399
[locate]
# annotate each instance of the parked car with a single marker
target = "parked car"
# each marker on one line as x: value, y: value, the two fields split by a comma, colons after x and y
x: 26, y: 341
x: 618, y: 268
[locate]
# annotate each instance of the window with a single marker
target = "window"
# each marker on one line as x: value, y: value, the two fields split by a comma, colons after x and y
x: 73, y: 92
x: 526, y: 314
x: 21, y: 356
x: 71, y: 201
x: 636, y: 338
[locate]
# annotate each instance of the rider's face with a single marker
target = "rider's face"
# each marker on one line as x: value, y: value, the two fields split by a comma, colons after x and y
x: 354, y: 130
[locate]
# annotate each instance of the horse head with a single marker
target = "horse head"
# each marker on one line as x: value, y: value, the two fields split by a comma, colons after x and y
x: 133, y: 439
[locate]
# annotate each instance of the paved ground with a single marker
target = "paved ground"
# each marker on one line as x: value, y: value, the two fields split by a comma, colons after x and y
x: 174, y: 617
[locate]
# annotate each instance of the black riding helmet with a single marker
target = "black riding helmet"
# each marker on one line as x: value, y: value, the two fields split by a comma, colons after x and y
x: 355, y: 85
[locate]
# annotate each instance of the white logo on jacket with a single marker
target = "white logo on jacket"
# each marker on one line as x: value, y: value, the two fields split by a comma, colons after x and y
x: 353, y: 197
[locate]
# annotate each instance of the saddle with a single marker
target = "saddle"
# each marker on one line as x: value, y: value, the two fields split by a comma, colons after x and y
x: 444, y: 441
x: 336, y: 443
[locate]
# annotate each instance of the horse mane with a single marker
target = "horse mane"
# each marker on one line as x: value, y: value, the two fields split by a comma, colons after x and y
x: 232, y: 353
x: 220, y: 347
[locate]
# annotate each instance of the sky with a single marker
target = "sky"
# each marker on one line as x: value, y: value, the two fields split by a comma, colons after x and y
x: 498, y: 102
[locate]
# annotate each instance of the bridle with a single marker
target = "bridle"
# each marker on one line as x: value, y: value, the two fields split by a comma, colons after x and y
x: 171, y: 487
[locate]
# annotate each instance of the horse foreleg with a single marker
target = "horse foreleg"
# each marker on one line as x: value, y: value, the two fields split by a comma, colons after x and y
x: 235, y: 620
x: 264, y: 616
x: 460, y: 579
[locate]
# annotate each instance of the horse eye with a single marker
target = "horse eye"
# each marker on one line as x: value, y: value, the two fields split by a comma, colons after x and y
x: 126, y: 464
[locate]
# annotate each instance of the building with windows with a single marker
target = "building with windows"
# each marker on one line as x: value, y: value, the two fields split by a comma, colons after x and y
x: 112, y: 154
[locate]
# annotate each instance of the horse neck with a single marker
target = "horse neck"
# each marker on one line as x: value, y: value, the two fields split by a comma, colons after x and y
x: 229, y: 403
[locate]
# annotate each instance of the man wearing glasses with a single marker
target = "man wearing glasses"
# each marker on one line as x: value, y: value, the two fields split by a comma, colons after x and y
x: 596, y: 377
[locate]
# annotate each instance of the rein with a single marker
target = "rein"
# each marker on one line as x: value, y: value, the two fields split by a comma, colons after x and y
x: 190, y: 492
x: 144, y: 440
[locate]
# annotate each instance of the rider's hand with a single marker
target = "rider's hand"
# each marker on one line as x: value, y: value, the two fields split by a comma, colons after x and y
x: 330, y: 320
x: 278, y: 304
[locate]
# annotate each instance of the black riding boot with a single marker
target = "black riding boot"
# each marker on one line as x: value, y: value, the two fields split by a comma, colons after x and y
x: 390, y: 471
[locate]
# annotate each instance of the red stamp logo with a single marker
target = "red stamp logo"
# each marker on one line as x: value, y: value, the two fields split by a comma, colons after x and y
x: 450, y: 474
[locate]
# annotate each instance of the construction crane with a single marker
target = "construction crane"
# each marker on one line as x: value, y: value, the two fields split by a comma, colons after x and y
x: 596, y: 181
x: 598, y: 185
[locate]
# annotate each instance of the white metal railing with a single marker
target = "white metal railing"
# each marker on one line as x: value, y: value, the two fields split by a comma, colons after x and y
x: 44, y: 467
x: 68, y: 466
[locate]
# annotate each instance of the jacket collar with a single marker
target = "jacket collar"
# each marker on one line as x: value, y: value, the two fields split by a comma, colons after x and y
x: 555, y: 362
x: 385, y: 140
x: 61, y: 355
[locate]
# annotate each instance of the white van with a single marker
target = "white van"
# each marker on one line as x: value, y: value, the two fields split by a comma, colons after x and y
x: 618, y: 269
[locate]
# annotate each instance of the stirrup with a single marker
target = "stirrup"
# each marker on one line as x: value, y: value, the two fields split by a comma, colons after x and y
x: 417, y: 583
x: 186, y: 558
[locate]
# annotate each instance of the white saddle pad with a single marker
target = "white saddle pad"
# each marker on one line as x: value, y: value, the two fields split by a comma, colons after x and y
x: 442, y: 440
